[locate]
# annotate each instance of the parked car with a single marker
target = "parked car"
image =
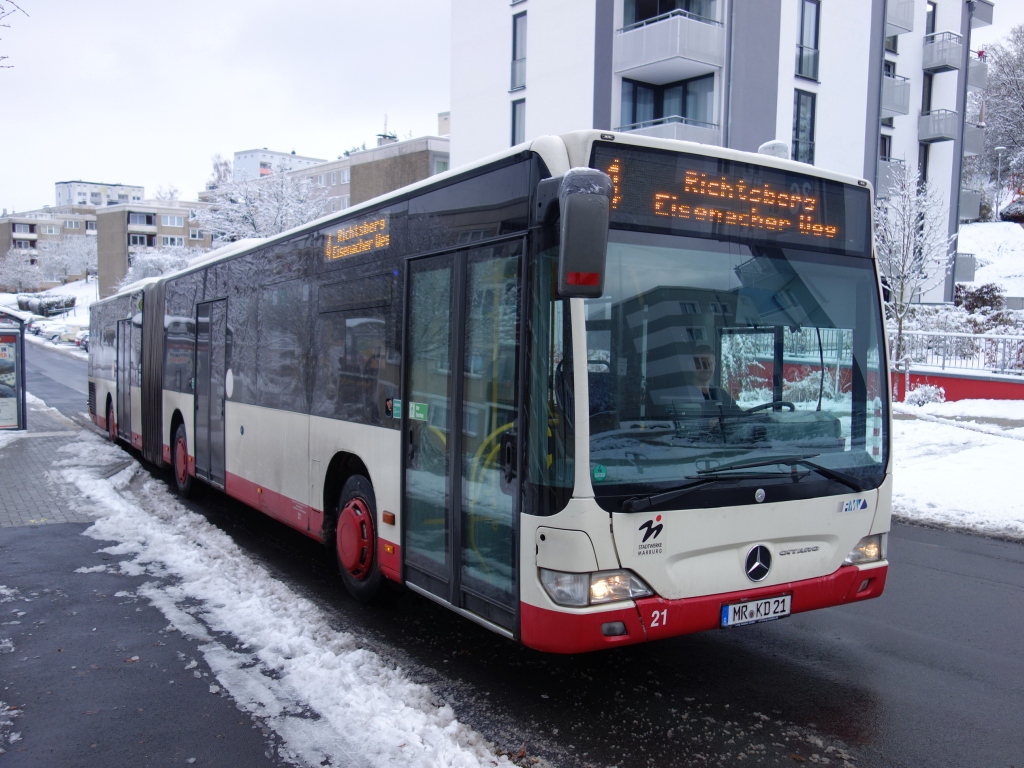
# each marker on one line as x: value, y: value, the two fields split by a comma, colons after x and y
x: 64, y: 333
x: 82, y: 339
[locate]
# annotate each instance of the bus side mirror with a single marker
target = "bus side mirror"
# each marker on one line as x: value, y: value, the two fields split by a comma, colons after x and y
x: 584, y: 201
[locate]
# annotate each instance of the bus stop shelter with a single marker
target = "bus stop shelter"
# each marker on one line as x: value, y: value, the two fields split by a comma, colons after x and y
x: 12, y: 369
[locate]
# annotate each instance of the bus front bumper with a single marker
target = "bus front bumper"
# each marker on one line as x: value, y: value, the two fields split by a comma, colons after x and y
x: 653, y: 618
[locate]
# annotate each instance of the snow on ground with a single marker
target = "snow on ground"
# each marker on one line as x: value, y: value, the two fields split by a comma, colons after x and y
x: 999, y: 248
x: 953, y: 469
x: 273, y: 651
x: 85, y: 293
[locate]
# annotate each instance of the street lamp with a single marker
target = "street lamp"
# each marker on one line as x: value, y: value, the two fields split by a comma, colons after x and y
x: 999, y: 178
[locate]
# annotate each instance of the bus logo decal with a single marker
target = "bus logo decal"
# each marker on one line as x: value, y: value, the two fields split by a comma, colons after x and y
x: 650, y: 529
x: 853, y: 505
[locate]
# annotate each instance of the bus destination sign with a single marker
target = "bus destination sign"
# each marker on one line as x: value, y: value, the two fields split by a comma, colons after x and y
x: 706, y: 196
x: 360, y: 236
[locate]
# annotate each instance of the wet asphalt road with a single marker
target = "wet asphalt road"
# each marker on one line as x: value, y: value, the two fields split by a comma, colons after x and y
x: 930, y: 674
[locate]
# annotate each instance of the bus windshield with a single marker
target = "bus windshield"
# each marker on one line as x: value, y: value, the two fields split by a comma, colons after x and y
x: 705, y: 355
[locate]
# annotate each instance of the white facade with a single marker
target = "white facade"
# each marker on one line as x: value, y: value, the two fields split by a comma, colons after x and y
x: 253, y: 163
x: 583, y: 59
x: 96, y: 194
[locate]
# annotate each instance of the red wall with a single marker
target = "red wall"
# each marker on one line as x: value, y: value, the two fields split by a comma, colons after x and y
x: 966, y: 388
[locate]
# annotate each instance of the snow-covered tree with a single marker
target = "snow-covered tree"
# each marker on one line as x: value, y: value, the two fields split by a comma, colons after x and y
x: 158, y: 262
x: 8, y: 8
x: 261, y: 207
x: 1004, y: 106
x: 71, y: 255
x: 912, y: 245
x: 222, y: 172
x: 170, y: 192
x: 18, y: 273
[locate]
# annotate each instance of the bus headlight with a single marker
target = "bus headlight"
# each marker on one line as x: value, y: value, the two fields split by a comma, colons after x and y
x: 868, y: 550
x: 581, y: 589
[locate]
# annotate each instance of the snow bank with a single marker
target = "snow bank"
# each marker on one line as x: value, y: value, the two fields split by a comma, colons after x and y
x: 1012, y: 410
x: 999, y: 248
x: 328, y: 698
x: 966, y: 478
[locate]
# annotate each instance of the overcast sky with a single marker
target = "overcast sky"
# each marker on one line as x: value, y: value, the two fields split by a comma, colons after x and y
x: 142, y: 92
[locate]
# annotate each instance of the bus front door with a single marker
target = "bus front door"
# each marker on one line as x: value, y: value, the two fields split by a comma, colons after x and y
x: 124, y: 380
x: 460, y: 407
x: 211, y: 340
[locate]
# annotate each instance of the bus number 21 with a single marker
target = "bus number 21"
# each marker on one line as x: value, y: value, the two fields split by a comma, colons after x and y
x: 659, y: 618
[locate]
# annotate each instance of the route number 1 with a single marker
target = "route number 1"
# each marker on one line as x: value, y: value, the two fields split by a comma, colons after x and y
x: 659, y: 618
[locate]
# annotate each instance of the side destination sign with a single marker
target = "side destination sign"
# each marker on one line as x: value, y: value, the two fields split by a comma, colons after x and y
x: 361, y: 236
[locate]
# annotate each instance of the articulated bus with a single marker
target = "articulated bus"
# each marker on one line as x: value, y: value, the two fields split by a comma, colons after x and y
x: 597, y: 390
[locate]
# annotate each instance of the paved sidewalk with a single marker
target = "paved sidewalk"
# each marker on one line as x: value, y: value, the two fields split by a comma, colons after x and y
x: 29, y: 495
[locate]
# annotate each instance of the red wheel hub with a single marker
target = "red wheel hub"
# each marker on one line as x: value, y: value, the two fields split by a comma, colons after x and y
x: 181, y: 461
x: 355, y: 539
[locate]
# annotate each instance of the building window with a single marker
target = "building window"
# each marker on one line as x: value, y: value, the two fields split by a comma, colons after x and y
x: 122, y: 197
x: 23, y: 244
x: 926, y: 93
x: 687, y: 101
x: 172, y: 221
x: 929, y: 19
x: 892, y: 44
x: 885, y: 147
x: 334, y: 205
x: 136, y: 198
x: 518, y: 121
x: 72, y: 225
x: 343, y: 202
x: 321, y: 180
x: 807, y: 44
x: 440, y: 166
x: 518, y: 51
x: 803, y: 126
x: 134, y: 239
x: 90, y: 226
x: 637, y: 11
x: 922, y: 162
x: 334, y: 178
x: 141, y: 219
x: 172, y: 240
x: 344, y: 175
x: 51, y: 229
x: 195, y: 234
x: 23, y: 228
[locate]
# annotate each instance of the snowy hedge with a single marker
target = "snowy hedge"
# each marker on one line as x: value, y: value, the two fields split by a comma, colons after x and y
x: 49, y: 304
x: 923, y: 394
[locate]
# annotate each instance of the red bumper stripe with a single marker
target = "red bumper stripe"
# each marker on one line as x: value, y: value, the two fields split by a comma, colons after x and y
x: 654, y: 617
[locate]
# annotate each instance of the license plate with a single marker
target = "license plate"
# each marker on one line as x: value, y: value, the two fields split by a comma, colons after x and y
x: 753, y: 611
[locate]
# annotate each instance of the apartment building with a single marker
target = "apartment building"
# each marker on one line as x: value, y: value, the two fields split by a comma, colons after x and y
x: 390, y: 165
x: 253, y: 163
x: 28, y: 230
x: 856, y: 87
x: 127, y: 230
x: 96, y: 194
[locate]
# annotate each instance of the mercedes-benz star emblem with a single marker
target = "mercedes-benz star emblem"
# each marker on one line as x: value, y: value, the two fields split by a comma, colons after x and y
x: 759, y: 562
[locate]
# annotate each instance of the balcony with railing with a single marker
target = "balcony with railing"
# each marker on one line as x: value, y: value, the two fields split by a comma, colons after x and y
x: 937, y: 125
x: 982, y: 16
x: 677, y: 127
x: 888, y: 167
x: 977, y: 72
x: 966, y: 267
x: 942, y: 52
x: 518, y: 74
x: 673, y: 46
x: 895, y: 96
x: 974, y: 139
x: 807, y: 62
x: 970, y: 204
x: 899, y: 17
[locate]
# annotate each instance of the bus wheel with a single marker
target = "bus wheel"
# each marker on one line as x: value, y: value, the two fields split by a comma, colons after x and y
x: 183, y: 481
x: 355, y: 541
x: 111, y: 427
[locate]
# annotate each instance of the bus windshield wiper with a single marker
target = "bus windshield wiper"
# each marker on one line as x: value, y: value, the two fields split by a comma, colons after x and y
x: 635, y: 504
x: 789, y: 461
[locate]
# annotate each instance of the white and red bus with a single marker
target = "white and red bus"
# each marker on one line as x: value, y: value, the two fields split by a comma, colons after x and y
x: 598, y: 390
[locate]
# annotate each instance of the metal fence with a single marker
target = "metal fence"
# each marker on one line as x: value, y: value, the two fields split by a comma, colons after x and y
x: 962, y: 351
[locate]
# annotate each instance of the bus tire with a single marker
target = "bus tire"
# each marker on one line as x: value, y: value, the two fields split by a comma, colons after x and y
x: 184, y: 483
x: 355, y: 540
x: 111, y: 427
